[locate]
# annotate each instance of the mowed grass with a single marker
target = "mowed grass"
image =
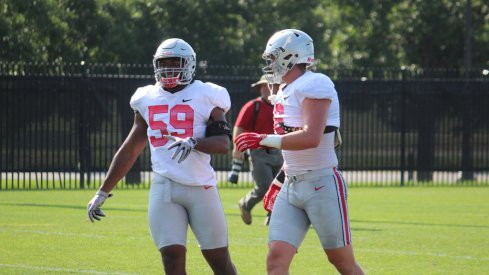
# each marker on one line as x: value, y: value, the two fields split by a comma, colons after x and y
x: 416, y: 230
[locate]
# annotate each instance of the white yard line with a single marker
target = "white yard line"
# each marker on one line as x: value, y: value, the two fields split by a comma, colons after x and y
x: 60, y: 233
x: 422, y: 254
x: 58, y: 269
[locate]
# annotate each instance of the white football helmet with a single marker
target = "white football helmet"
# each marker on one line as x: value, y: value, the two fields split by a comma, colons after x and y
x: 285, y: 49
x: 170, y: 77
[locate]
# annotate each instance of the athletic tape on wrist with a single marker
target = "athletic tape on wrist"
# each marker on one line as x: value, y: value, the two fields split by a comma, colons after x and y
x: 102, y: 193
x: 274, y: 141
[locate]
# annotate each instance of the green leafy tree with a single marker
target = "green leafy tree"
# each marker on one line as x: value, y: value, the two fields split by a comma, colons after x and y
x: 37, y: 31
x: 426, y: 34
x: 347, y: 33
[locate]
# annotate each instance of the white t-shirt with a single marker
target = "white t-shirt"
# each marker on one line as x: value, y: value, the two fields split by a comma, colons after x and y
x: 288, y: 110
x: 182, y: 114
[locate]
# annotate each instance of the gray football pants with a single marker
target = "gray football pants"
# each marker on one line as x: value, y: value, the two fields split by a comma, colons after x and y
x: 265, y: 165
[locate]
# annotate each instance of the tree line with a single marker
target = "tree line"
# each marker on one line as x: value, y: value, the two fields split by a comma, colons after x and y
x: 347, y: 33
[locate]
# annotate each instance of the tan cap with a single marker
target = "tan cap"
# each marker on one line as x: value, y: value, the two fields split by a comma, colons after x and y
x: 262, y: 80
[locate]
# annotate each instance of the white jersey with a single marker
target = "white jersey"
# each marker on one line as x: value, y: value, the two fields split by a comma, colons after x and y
x: 181, y: 114
x: 288, y: 110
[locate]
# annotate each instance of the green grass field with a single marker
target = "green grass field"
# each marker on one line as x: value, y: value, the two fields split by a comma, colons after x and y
x: 416, y: 230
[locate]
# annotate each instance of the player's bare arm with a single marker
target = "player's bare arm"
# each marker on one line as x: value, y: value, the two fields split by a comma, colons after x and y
x: 121, y: 163
x: 314, y: 121
x: 127, y: 154
x: 314, y: 117
x: 236, y: 132
x: 215, y: 144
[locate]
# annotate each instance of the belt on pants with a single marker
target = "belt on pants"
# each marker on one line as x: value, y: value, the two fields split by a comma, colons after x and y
x: 313, y: 174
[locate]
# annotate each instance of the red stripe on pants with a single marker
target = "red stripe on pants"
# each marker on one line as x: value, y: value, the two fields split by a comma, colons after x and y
x: 343, y: 205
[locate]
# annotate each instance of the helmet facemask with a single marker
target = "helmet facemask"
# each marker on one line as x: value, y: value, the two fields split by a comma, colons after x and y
x: 278, y: 64
x: 172, y: 71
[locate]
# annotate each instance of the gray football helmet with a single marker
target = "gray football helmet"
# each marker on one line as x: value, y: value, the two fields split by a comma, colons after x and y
x: 171, y: 76
x: 285, y: 49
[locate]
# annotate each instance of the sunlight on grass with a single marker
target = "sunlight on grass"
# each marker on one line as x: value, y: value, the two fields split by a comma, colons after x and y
x: 415, y: 230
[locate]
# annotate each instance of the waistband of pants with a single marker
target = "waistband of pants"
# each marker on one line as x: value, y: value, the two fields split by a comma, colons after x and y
x: 313, y: 174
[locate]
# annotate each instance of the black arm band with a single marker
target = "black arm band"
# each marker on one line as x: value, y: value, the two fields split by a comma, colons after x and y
x: 217, y: 128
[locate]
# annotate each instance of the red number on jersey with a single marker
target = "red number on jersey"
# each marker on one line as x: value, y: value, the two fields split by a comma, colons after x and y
x: 157, y: 124
x: 278, y: 110
x: 187, y: 123
x: 181, y: 118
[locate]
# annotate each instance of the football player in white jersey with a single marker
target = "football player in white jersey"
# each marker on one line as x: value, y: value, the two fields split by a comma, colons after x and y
x: 306, y: 119
x: 183, y: 120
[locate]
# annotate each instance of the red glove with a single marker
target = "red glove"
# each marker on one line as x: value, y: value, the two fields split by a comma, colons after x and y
x: 248, y: 140
x: 270, y: 196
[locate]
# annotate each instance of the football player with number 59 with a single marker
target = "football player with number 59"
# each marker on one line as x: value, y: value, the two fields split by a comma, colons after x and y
x: 183, y: 120
x: 306, y: 121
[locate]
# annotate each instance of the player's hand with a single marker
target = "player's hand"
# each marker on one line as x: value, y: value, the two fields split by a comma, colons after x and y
x: 271, y: 196
x: 184, y: 146
x: 248, y: 140
x: 235, y: 169
x: 93, y: 208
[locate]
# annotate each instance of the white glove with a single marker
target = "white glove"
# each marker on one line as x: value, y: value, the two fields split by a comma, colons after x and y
x: 184, y: 146
x: 93, y: 207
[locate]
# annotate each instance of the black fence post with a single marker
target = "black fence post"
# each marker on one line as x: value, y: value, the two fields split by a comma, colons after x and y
x: 467, y: 134
x: 403, y: 123
x: 83, y: 146
x: 427, y: 108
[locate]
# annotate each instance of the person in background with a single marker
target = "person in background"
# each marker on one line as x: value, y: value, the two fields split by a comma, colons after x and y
x: 256, y: 116
x: 306, y: 120
x: 183, y: 120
